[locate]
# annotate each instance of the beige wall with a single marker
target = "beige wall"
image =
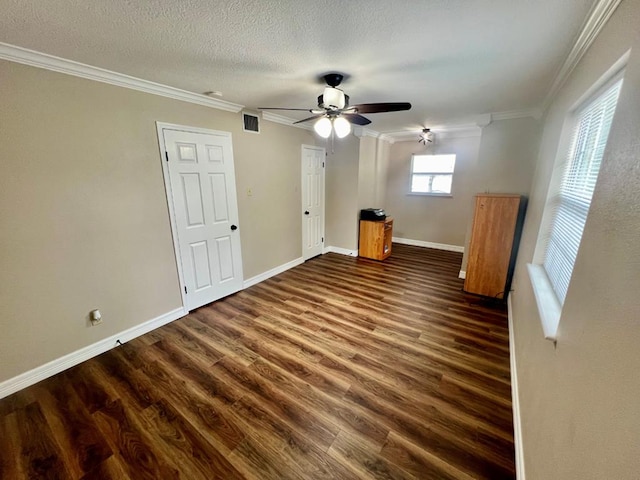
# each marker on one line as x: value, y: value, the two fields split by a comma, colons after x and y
x: 579, y: 400
x: 382, y: 171
x: 367, y: 172
x: 270, y: 165
x: 506, y: 161
x: 431, y: 218
x: 373, y: 169
x: 507, y: 156
x: 356, y: 179
x: 341, y: 204
x: 84, y: 215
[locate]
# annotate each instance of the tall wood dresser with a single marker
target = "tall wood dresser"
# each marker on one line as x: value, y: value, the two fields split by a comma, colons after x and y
x: 497, y: 224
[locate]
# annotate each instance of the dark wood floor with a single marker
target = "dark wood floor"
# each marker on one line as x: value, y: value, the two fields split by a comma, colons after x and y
x: 339, y: 368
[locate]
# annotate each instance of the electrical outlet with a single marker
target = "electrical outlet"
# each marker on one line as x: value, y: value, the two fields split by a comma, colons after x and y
x: 96, y: 317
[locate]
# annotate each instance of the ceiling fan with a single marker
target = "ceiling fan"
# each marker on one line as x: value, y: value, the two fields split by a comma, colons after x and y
x: 426, y: 136
x: 334, y: 112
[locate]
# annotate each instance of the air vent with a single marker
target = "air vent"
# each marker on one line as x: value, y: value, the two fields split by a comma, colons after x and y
x: 250, y: 122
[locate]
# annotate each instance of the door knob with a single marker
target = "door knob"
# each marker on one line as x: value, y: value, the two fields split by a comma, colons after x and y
x: 306, y: 212
x: 233, y: 227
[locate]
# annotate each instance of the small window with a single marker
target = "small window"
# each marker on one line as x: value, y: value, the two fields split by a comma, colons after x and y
x: 432, y: 174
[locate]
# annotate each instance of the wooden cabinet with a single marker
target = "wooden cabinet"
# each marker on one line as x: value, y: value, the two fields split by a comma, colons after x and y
x: 375, y: 239
x: 494, y: 237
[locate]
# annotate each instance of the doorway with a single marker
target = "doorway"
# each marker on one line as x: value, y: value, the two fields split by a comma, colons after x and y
x: 200, y: 185
x: 313, y: 168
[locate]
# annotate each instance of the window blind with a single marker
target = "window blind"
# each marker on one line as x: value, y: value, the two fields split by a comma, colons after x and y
x: 579, y: 181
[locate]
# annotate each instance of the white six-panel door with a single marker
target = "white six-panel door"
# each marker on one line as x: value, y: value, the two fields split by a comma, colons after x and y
x: 313, y: 159
x: 205, y: 213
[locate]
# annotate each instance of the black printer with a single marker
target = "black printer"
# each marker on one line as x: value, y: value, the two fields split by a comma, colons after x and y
x: 373, y: 214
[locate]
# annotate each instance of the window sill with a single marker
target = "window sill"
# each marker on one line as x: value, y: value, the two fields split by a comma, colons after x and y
x: 549, y: 307
x: 420, y: 194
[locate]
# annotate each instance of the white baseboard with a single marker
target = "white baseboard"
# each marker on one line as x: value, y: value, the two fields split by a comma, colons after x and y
x: 272, y: 273
x: 294, y: 263
x: 47, y: 370
x: 341, y: 251
x: 420, y: 243
x: 462, y: 274
x: 515, y: 399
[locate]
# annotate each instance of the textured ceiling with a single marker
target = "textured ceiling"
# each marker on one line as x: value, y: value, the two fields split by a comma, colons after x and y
x: 452, y: 59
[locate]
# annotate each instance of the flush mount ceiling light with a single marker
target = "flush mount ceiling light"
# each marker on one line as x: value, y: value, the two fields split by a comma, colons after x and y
x: 426, y: 136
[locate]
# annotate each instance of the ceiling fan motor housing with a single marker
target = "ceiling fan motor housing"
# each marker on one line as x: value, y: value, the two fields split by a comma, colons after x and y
x: 333, y: 79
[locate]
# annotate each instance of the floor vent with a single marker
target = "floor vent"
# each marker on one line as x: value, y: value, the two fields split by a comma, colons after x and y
x: 250, y: 122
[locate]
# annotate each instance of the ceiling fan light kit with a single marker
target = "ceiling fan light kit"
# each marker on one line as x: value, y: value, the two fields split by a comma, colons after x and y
x: 334, y: 112
x: 326, y: 125
x: 323, y: 127
x: 342, y: 127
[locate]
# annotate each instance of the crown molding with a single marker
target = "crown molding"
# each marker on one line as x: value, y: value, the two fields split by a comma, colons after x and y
x: 465, y: 130
x: 366, y: 132
x: 512, y: 114
x: 402, y: 136
x: 360, y: 132
x: 281, y: 119
x: 386, y: 138
x: 596, y: 20
x: 25, y: 56
x: 484, y: 120
x: 450, y: 131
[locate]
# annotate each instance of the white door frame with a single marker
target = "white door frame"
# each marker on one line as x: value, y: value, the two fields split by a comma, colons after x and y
x: 169, y: 194
x: 324, y: 189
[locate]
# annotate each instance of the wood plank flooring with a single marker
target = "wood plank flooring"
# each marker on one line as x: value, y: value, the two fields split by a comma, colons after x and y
x: 341, y: 368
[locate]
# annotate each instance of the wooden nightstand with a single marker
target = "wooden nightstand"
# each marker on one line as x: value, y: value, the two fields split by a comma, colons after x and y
x: 375, y: 239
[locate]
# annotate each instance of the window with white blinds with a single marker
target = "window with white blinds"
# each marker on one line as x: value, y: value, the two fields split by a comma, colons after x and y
x: 579, y: 180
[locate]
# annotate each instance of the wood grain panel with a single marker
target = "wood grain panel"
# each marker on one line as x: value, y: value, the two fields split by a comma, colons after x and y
x: 492, y: 234
x: 375, y: 239
x: 341, y: 368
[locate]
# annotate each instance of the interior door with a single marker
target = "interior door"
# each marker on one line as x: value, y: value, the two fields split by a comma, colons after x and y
x: 203, y: 196
x: 313, y: 159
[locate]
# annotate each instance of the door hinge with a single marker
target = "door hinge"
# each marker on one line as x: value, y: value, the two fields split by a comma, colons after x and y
x: 322, y: 239
x: 185, y: 289
x: 166, y: 155
x: 322, y: 164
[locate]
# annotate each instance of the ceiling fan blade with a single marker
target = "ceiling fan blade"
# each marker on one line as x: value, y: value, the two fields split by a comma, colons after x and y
x: 310, y: 118
x: 381, y: 107
x: 356, y: 119
x: 283, y: 108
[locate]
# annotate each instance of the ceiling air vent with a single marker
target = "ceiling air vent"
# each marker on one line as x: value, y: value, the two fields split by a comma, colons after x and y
x: 250, y: 122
